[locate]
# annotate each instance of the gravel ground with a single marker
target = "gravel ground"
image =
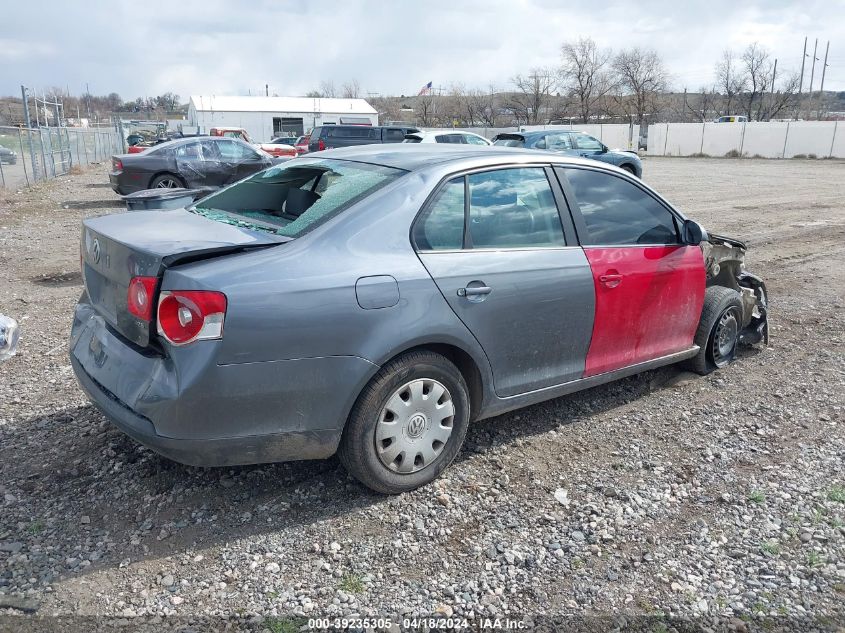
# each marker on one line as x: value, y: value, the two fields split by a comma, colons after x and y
x: 665, y: 493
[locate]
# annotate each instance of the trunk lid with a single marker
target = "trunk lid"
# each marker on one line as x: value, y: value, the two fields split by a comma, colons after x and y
x: 116, y: 248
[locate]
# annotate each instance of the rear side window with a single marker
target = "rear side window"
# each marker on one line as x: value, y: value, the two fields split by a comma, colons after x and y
x: 394, y: 135
x: 513, y: 208
x: 618, y: 213
x: 296, y: 197
x: 441, y: 225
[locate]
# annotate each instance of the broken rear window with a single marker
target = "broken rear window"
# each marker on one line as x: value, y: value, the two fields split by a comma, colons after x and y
x: 296, y: 197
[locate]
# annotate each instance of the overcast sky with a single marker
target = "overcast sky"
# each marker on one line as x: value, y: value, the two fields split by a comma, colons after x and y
x: 389, y: 46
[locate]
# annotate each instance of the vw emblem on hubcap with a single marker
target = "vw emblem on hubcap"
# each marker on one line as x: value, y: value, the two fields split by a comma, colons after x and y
x: 416, y: 425
x: 95, y: 251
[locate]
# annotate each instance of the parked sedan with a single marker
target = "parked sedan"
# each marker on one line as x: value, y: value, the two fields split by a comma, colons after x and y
x: 455, y: 137
x: 8, y: 156
x: 281, y: 146
x: 372, y: 301
x: 573, y: 144
x: 191, y: 162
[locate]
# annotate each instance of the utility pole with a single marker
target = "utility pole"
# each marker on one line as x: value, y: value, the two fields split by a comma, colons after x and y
x: 801, y: 83
x: 821, y: 88
x: 812, y: 74
x: 88, y: 102
x: 266, y: 90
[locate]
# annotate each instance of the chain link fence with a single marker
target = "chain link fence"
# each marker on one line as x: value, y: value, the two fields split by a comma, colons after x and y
x: 29, y: 155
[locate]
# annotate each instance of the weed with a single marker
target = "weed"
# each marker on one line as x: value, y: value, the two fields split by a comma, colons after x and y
x: 283, y: 625
x: 757, y: 497
x: 837, y: 493
x: 770, y: 547
x: 352, y: 584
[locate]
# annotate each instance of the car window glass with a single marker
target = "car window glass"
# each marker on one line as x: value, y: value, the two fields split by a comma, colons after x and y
x: 618, y: 212
x: 558, y: 142
x: 441, y: 225
x: 585, y: 141
x: 442, y: 138
x: 510, y: 142
x: 394, y: 135
x: 513, y: 208
x: 236, y: 152
x: 188, y: 151
x: 293, y: 198
x: 474, y: 140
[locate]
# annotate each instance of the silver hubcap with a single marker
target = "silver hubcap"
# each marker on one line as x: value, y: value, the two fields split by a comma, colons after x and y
x: 414, y: 426
x: 725, y: 339
x: 168, y: 183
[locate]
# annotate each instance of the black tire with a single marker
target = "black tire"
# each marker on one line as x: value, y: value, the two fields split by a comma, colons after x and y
x: 159, y: 180
x: 718, y: 330
x: 358, y: 452
x: 628, y: 168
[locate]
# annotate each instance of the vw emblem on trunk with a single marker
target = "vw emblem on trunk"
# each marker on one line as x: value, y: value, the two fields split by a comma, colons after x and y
x: 95, y: 251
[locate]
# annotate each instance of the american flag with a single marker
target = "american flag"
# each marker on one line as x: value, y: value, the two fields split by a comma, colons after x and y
x: 425, y: 90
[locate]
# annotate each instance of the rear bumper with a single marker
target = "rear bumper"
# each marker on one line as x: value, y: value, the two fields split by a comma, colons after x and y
x: 230, y: 451
x: 191, y: 410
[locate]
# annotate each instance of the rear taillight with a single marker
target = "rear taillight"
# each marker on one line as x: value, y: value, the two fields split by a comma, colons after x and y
x: 117, y: 164
x: 185, y: 316
x: 139, y: 297
x: 321, y: 145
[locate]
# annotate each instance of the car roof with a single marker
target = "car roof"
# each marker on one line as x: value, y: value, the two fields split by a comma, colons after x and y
x: 417, y: 156
x: 423, y: 133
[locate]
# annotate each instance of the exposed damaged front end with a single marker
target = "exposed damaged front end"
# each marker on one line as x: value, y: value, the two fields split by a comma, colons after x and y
x: 724, y: 261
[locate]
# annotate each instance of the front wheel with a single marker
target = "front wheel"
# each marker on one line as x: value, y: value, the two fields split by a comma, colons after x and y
x: 718, y: 330
x: 629, y: 168
x: 408, y: 424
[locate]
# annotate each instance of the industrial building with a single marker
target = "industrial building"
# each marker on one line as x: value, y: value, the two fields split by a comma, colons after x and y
x: 267, y: 117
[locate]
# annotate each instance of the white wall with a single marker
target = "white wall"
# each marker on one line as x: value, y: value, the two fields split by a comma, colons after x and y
x: 769, y: 139
x: 259, y: 125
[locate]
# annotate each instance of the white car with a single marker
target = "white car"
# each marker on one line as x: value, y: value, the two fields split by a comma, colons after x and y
x: 446, y: 136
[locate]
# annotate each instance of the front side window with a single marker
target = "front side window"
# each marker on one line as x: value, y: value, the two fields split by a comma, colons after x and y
x: 513, y: 208
x: 587, y: 142
x: 233, y: 152
x: 294, y: 198
x: 558, y: 142
x: 618, y: 213
x: 441, y: 226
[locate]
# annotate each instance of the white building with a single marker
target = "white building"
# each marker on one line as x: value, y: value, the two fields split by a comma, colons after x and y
x: 266, y: 117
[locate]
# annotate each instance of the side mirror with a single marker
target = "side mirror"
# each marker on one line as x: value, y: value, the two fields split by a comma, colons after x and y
x: 604, y: 149
x: 694, y: 234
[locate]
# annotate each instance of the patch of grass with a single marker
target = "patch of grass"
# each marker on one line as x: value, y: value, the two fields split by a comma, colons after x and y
x: 757, y: 497
x: 283, y: 625
x: 839, y: 587
x: 814, y: 559
x: 352, y: 584
x: 770, y: 547
x: 837, y: 493
x: 800, y: 156
x: 576, y: 563
x: 36, y: 527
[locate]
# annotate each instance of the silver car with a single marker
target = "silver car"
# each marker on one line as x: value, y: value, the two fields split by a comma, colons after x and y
x: 371, y: 301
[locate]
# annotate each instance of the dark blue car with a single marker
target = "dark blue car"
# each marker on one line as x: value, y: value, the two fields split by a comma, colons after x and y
x: 573, y: 144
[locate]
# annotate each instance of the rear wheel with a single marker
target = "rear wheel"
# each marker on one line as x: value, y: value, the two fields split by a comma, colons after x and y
x: 167, y: 181
x: 408, y: 424
x: 629, y: 169
x: 718, y: 330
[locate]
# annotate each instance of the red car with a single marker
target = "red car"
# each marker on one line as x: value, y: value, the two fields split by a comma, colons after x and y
x: 281, y: 146
x: 301, y: 144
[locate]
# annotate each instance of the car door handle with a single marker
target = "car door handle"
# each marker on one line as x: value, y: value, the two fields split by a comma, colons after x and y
x: 474, y: 291
x: 611, y: 280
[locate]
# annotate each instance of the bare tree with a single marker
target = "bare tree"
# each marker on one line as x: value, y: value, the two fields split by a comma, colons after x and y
x: 730, y: 80
x: 585, y: 75
x: 530, y: 101
x: 785, y: 96
x: 424, y: 109
x: 327, y: 89
x: 757, y: 69
x: 642, y: 77
x: 702, y: 104
x: 351, y: 90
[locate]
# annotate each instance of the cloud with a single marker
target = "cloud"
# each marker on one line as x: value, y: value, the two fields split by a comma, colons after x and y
x: 220, y: 47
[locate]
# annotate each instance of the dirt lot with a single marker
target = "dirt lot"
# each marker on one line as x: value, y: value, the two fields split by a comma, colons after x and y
x: 663, y: 493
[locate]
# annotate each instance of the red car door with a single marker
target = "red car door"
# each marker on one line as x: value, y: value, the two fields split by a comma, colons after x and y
x: 649, y: 286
